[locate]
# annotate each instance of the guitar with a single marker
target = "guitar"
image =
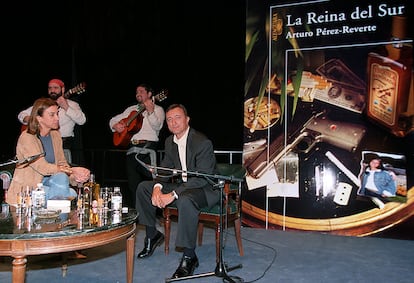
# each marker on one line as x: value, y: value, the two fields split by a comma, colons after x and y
x: 78, y: 89
x: 133, y: 122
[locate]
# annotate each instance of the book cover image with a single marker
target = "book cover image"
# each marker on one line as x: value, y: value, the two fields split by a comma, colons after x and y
x: 308, y: 89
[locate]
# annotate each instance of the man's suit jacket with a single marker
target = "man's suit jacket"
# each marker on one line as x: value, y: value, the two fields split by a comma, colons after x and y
x: 200, y: 158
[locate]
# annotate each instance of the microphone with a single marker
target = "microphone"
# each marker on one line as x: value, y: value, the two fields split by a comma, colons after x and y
x: 146, y: 166
x: 153, y: 170
x: 30, y: 159
x: 150, y: 168
x: 176, y: 172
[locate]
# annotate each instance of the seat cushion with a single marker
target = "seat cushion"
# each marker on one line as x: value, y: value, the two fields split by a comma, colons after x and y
x: 235, y: 170
x: 215, y: 210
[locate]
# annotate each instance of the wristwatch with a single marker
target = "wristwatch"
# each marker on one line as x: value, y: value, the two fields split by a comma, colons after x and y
x: 174, y: 194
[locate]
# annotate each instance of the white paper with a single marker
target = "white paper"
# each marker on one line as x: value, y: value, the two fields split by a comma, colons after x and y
x: 274, y: 187
x: 267, y: 179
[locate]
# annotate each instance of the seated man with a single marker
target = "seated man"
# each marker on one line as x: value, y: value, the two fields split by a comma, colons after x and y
x: 186, y: 149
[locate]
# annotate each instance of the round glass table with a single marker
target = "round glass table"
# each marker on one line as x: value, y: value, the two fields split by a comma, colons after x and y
x: 23, y: 234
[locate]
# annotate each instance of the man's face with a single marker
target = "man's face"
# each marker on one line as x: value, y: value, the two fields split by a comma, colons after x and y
x: 54, y: 91
x: 141, y: 94
x: 374, y: 163
x: 177, y: 121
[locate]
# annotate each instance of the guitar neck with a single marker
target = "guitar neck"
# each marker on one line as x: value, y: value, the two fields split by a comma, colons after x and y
x: 69, y: 93
x: 80, y: 88
x: 132, y: 117
x: 140, y: 108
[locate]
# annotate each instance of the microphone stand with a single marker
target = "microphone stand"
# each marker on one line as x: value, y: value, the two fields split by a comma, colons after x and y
x: 221, y: 269
x: 29, y: 159
x: 9, y: 162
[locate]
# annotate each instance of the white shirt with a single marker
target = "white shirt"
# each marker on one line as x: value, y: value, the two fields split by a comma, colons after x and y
x: 182, y: 152
x: 151, y: 124
x: 67, y: 118
x: 370, y: 185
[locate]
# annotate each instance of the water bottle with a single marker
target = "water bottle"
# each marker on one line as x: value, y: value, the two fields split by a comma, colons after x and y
x: 116, y: 200
x: 39, y: 197
x: 116, y: 205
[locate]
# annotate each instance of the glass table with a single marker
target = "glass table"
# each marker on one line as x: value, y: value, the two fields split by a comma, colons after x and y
x: 55, y: 232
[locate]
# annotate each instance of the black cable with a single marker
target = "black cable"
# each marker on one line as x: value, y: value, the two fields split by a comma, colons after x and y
x: 237, y: 278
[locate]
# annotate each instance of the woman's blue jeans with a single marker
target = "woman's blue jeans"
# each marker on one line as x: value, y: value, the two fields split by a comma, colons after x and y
x: 57, y: 187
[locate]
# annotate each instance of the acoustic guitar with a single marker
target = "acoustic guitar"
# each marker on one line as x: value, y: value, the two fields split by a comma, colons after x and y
x: 78, y: 89
x: 133, y: 122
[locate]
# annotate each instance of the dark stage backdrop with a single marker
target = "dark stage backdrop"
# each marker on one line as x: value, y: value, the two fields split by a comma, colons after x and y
x: 197, y: 53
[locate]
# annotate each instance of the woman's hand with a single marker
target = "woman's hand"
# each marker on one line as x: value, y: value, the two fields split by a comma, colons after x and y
x: 81, y: 174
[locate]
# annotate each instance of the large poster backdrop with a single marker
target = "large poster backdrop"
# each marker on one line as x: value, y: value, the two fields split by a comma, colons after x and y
x: 328, y: 115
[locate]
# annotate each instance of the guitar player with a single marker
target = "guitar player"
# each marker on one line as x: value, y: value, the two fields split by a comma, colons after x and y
x: 70, y: 114
x: 138, y: 127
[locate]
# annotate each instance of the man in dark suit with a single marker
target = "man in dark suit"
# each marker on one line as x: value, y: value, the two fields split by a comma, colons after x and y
x: 186, y: 150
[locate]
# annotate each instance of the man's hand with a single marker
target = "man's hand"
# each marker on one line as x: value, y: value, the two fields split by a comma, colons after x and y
x: 159, y: 199
x: 119, y: 127
x: 62, y: 102
x: 149, y: 106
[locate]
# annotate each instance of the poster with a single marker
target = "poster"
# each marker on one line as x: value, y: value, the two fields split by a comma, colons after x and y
x: 328, y: 83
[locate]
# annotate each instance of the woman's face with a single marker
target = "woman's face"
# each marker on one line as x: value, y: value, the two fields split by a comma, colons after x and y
x: 50, y: 119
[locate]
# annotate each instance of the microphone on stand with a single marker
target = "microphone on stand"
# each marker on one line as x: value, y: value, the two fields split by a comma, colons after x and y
x: 30, y: 159
x: 174, y: 172
x: 26, y: 160
x: 153, y: 170
x: 177, y: 172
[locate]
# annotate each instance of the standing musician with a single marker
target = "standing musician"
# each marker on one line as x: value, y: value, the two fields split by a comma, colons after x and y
x: 140, y: 130
x: 70, y: 114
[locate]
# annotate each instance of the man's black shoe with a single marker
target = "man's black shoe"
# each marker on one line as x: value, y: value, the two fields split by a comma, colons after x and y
x: 186, y: 267
x: 151, y: 244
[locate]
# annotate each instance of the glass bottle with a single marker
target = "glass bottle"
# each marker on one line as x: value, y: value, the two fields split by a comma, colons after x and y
x: 94, y: 214
x: 117, y: 200
x: 28, y: 201
x: 86, y: 204
x: 39, y: 197
x: 94, y: 187
x: 116, y: 205
x: 389, y: 79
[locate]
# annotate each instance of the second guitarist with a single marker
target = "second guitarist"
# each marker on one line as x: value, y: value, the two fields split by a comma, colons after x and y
x: 70, y: 115
x: 138, y: 126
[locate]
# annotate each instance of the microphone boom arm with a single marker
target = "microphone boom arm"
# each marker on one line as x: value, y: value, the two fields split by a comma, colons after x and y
x: 198, y: 174
x: 23, y: 160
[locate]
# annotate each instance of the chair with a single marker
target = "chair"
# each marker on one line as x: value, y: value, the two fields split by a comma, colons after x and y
x: 68, y: 155
x: 231, y: 205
